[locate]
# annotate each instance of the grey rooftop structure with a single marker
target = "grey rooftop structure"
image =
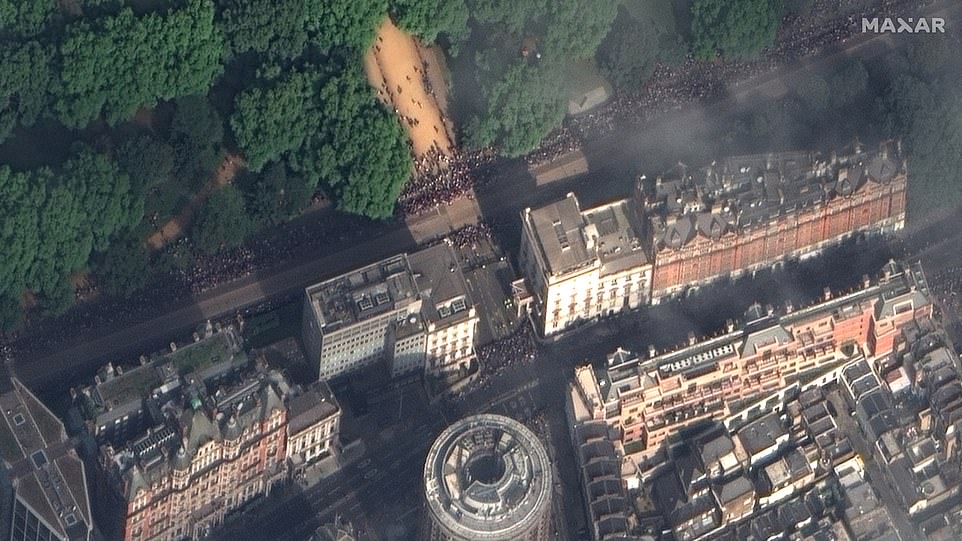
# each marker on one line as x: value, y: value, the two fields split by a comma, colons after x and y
x: 49, y: 481
x: 570, y: 238
x: 363, y: 293
x: 487, y: 477
x: 742, y: 192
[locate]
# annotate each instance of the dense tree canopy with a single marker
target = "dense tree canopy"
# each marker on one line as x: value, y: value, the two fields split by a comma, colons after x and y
x: 329, y: 128
x: 813, y: 91
x: 522, y: 107
x: 123, y: 268
x: 428, y: 19
x: 575, y: 28
x: 224, y: 222
x: 738, y: 29
x: 118, y: 63
x: 197, y: 135
x: 349, y: 24
x: 521, y: 95
x: 930, y: 125
x: 270, y: 121
x: 277, y: 195
x: 25, y: 18
x: 509, y: 15
x: 632, y: 49
x: 26, y: 84
x: 278, y: 29
x: 147, y: 160
x: 848, y: 84
x: 54, y: 220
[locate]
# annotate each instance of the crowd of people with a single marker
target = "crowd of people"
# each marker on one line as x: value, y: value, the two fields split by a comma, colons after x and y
x: 556, y: 144
x: 946, y: 286
x: 496, y: 357
x: 471, y: 235
x: 440, y: 179
x: 520, y: 347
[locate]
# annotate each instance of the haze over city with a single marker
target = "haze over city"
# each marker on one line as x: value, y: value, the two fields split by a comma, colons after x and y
x: 480, y: 270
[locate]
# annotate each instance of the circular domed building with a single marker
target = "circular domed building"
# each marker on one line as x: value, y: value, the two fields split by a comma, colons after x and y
x: 486, y: 478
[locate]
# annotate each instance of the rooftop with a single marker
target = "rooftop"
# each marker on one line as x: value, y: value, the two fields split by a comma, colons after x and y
x: 761, y: 434
x: 363, y: 293
x: 752, y: 335
x: 744, y: 191
x: 441, y: 283
x: 570, y: 239
x: 487, y: 477
x: 46, y: 472
x: 311, y: 406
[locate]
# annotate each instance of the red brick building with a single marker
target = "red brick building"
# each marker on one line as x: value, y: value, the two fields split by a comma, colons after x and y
x: 647, y: 399
x: 748, y: 212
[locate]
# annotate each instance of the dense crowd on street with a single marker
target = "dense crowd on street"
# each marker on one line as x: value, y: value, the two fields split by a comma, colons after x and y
x: 471, y: 235
x: 497, y: 357
x: 440, y: 178
x: 946, y: 287
x: 670, y: 87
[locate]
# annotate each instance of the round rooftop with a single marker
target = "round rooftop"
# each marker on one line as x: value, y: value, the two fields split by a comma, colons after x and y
x: 487, y: 477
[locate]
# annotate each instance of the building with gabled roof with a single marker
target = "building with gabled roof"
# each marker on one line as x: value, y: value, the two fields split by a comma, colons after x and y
x: 215, y: 431
x: 744, y: 213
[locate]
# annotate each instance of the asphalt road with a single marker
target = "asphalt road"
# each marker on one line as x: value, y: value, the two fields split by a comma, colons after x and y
x: 613, y: 159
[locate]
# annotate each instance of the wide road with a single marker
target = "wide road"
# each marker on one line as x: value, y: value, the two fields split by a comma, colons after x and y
x: 613, y: 159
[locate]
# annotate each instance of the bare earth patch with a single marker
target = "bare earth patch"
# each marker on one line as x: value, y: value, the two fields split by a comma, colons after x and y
x: 406, y: 77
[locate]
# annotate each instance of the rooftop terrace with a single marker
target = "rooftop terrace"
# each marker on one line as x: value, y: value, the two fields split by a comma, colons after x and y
x: 363, y: 293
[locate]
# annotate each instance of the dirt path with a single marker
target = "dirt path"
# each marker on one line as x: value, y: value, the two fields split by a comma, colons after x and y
x: 228, y: 169
x: 395, y: 67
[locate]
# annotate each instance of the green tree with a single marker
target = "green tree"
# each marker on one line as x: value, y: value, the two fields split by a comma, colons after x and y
x: 346, y: 24
x: 114, y: 65
x: 271, y: 121
x: 11, y: 313
x: 848, y: 84
x: 58, y: 298
x: 278, y: 196
x: 358, y: 149
x: 330, y: 130
x: 509, y: 15
x: 428, y: 19
x: 21, y: 198
x: 197, y: 135
x: 520, y: 109
x: 25, y: 18
x: 629, y: 53
x: 224, y: 222
x: 87, y: 202
x: 26, y: 85
x: 813, y: 91
x: 738, y: 29
x: 147, y: 160
x: 278, y: 29
x: 124, y: 267
x: 575, y: 28
x: 930, y: 125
